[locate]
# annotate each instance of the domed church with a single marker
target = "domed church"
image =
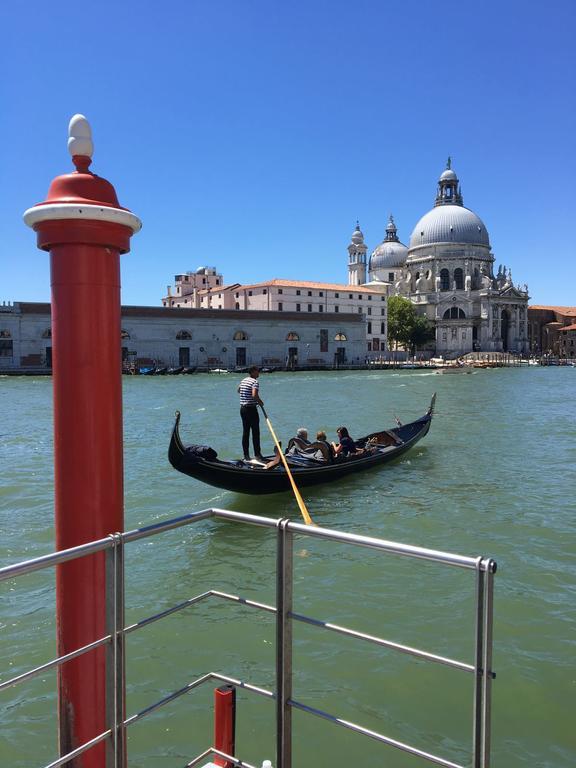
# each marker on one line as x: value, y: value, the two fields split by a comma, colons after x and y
x: 447, y: 272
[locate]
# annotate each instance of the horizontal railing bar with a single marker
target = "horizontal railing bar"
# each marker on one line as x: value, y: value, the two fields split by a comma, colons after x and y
x: 167, y: 525
x: 213, y: 752
x: 407, y: 550
x: 385, y: 643
x: 191, y: 601
x: 79, y: 750
x: 54, y: 558
x: 375, y: 735
x: 157, y: 616
x: 189, y: 687
x: 55, y: 662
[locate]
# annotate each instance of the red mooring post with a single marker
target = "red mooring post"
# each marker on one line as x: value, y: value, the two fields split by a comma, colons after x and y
x: 85, y: 229
x: 225, y: 723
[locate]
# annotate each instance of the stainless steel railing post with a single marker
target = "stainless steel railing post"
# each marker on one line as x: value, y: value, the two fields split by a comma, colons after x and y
x: 477, y: 736
x: 284, y: 571
x: 115, y: 657
x: 487, y: 661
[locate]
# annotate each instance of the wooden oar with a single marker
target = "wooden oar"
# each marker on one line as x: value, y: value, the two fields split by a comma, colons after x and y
x: 299, y: 499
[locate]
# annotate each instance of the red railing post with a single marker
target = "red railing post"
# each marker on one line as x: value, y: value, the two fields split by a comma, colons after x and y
x: 225, y: 723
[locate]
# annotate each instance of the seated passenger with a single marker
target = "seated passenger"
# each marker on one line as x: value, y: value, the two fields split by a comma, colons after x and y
x: 302, y: 434
x: 346, y: 446
x: 321, y: 438
x: 300, y: 442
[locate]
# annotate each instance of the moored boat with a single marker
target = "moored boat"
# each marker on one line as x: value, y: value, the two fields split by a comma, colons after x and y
x: 307, y: 469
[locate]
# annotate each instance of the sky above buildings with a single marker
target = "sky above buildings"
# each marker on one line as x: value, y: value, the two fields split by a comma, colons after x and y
x: 251, y: 134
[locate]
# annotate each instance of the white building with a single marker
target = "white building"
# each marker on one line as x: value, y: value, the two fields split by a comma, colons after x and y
x: 447, y: 272
x: 299, y: 296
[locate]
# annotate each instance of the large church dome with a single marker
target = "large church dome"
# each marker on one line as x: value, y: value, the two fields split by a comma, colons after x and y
x: 449, y: 221
x: 449, y: 224
x: 390, y: 253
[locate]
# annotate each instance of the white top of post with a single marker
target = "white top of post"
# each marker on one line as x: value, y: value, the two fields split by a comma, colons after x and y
x: 80, y: 137
x: 80, y: 145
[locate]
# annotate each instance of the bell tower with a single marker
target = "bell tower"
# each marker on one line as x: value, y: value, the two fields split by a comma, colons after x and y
x: 357, y: 258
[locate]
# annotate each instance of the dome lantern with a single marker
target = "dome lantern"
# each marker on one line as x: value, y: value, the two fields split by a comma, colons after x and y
x: 449, y: 192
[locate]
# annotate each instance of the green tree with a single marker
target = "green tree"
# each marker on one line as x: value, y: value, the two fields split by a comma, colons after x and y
x: 401, y: 314
x: 423, y: 331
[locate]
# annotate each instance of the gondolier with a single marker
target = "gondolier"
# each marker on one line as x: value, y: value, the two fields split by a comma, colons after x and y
x: 248, y: 389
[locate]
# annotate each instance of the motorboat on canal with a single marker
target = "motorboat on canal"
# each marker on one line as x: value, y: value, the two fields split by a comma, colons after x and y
x: 309, y: 465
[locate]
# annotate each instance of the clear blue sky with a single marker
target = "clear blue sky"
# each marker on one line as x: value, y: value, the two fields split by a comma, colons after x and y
x: 251, y: 134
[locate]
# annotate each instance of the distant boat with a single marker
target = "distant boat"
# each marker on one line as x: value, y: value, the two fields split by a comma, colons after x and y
x: 175, y: 371
x: 218, y: 370
x: 187, y: 370
x: 455, y: 369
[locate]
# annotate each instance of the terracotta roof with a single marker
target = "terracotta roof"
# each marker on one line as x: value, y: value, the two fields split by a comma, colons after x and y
x: 561, y: 310
x: 280, y: 283
x: 568, y: 328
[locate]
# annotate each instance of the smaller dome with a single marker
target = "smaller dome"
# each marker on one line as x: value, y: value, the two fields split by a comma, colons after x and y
x: 357, y: 235
x: 388, y: 254
x: 448, y: 175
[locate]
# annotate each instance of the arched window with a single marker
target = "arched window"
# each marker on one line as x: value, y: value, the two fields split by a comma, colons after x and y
x: 183, y: 336
x: 124, y: 334
x: 340, y: 337
x: 458, y: 279
x: 240, y: 336
x: 444, y: 280
x: 47, y: 334
x: 292, y: 336
x: 454, y: 313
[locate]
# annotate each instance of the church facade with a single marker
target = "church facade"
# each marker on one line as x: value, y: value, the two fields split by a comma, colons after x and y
x: 447, y: 272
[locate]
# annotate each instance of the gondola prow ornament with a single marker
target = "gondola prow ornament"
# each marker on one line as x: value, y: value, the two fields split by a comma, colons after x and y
x: 85, y: 229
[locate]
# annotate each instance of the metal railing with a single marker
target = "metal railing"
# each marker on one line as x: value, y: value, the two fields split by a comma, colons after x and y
x: 115, y: 638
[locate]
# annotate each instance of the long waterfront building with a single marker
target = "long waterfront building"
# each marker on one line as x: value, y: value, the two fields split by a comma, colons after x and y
x: 195, y: 337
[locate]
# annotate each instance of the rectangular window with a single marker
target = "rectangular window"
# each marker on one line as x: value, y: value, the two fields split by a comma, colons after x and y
x: 309, y: 293
x: 321, y: 308
x: 360, y: 296
x: 369, y: 310
x: 297, y: 307
x: 321, y: 293
x: 280, y: 307
x: 264, y: 291
x: 390, y: 277
x: 323, y: 340
x: 382, y: 298
x: 336, y: 308
x: 369, y: 346
x: 369, y: 298
x: 249, y: 293
x: 298, y: 292
x: 336, y: 295
x: 382, y: 329
x: 237, y: 296
x: 350, y: 296
x: 309, y: 307
x: 359, y: 310
x: 376, y: 345
x: 280, y: 291
x: 369, y: 327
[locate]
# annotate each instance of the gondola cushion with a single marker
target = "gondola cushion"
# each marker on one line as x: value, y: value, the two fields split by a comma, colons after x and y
x: 201, y: 452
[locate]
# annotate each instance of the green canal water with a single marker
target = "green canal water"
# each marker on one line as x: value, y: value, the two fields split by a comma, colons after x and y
x: 494, y: 477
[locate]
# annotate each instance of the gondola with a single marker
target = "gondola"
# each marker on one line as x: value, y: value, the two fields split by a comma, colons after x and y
x: 202, y: 463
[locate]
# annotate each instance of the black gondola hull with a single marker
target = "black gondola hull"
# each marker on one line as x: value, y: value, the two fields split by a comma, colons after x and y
x: 252, y: 479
